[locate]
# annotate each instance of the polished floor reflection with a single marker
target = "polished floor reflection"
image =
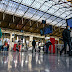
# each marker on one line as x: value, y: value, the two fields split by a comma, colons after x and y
x: 28, y: 62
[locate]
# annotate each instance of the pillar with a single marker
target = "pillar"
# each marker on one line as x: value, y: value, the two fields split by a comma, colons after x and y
x: 30, y: 41
x: 10, y: 37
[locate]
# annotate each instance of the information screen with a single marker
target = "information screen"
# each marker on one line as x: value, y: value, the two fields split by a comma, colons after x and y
x: 69, y: 22
x: 48, y: 29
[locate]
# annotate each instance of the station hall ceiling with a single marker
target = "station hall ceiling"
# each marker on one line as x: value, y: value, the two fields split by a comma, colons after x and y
x: 55, y: 12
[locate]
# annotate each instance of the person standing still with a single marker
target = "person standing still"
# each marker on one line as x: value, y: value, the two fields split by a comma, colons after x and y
x: 66, y: 39
x: 33, y: 44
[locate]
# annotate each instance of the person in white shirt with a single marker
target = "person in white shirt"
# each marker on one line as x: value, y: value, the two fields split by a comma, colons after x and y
x: 39, y: 44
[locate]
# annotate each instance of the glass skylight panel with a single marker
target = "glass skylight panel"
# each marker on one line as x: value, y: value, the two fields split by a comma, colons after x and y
x: 4, y: 2
x: 19, y: 12
x: 13, y: 4
x: 51, y: 2
x: 55, y: 7
x: 17, y: 1
x: 27, y: 2
x: 51, y: 11
x: 59, y: 6
x: 28, y: 15
x: 36, y: 5
x: 63, y: 21
x: 54, y: 22
x: 59, y: 24
x: 44, y: 8
x: 58, y: 19
x: 39, y: 13
x: 41, y: 1
x: 58, y: 13
x: 2, y: 7
x: 69, y: 16
x: 23, y: 8
x: 52, y: 18
x: 48, y: 4
x: 10, y: 10
x: 46, y: 16
x: 31, y: 11
x: 35, y: 17
x: 67, y: 13
x: 64, y: 24
x: 42, y: 18
x: 63, y: 15
x: 49, y: 20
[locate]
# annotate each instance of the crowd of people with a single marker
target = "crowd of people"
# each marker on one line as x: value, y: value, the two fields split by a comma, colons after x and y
x: 18, y: 45
x: 45, y: 46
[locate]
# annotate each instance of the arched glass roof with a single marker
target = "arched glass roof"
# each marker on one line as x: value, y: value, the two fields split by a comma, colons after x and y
x: 53, y: 11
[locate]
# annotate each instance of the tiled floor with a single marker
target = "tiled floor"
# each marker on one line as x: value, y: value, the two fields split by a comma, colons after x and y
x: 28, y: 62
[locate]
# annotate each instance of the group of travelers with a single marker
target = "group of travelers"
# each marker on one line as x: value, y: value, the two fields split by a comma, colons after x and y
x: 66, y: 40
x: 47, y: 44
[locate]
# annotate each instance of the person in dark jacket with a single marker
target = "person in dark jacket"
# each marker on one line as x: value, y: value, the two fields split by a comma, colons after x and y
x: 48, y: 43
x: 33, y: 44
x: 66, y: 39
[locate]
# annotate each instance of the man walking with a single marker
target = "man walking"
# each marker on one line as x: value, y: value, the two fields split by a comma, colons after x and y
x: 66, y: 39
x: 33, y: 44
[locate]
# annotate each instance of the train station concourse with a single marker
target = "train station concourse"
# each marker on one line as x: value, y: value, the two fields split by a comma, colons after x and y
x: 35, y: 35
